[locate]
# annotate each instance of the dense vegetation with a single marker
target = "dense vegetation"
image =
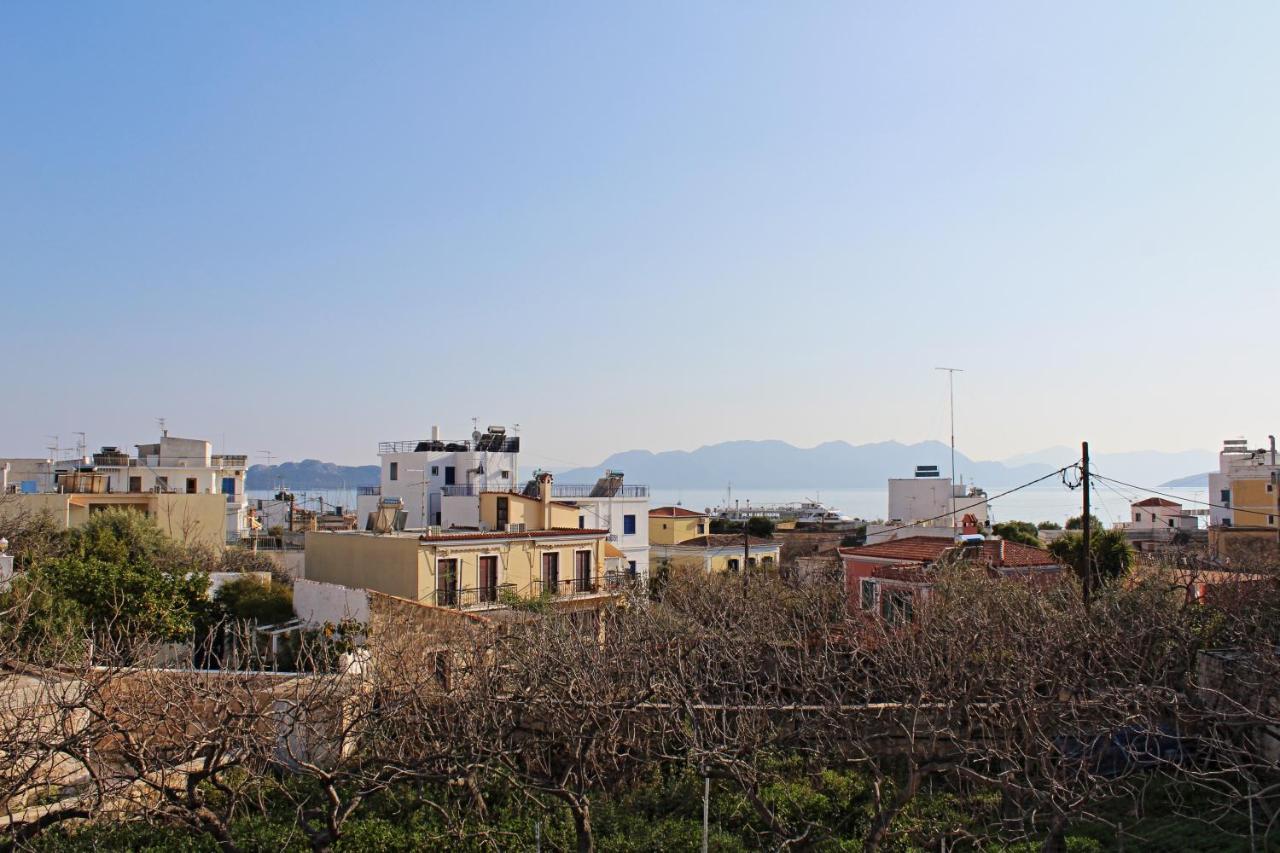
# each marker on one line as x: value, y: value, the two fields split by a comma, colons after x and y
x: 1007, y: 715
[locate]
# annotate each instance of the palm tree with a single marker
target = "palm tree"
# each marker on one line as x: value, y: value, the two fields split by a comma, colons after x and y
x: 1112, y: 554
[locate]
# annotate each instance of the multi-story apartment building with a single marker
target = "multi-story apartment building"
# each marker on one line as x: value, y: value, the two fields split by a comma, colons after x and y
x: 609, y: 504
x: 172, y: 466
x: 529, y: 548
x: 421, y: 471
x: 1243, y: 490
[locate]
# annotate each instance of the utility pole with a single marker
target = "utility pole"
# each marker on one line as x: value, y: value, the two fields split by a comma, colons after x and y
x: 951, y: 393
x: 1086, y: 524
x: 746, y: 553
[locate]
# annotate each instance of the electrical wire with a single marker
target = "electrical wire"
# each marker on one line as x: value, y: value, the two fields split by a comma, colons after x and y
x: 986, y: 500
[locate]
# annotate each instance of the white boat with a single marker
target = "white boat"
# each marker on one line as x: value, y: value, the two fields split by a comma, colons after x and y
x: 809, y: 512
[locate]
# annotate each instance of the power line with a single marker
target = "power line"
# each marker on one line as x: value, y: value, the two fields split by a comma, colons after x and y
x: 986, y: 500
x: 1178, y: 498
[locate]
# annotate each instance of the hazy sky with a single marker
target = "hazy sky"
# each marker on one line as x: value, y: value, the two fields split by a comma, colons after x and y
x: 309, y: 227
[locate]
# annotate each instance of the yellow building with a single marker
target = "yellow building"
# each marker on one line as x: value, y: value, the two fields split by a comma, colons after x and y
x: 199, y: 519
x: 1253, y: 503
x: 461, y: 569
x: 680, y: 541
x: 669, y: 525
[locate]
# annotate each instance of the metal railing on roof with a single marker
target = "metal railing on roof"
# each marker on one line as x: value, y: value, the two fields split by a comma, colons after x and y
x: 487, y: 443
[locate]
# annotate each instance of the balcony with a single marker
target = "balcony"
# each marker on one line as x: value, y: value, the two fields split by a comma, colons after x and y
x: 368, y: 490
x: 565, y: 588
x: 472, y: 597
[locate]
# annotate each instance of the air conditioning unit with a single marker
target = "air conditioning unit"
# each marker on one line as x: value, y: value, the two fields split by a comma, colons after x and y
x: 515, y: 527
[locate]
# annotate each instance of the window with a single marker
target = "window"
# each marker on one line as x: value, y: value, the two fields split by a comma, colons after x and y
x: 191, y: 485
x: 435, y: 470
x: 733, y: 564
x: 446, y: 583
x: 582, y: 522
x: 1171, y: 522
x: 1137, y: 516
x: 1225, y: 497
x: 631, y: 569
x: 1271, y: 519
x: 503, y: 512
x: 629, y: 525
x: 393, y: 472
x: 135, y: 484
x: 702, y: 528
x: 895, y: 607
x: 449, y: 475
x: 751, y: 562
x: 868, y: 595
x: 504, y: 474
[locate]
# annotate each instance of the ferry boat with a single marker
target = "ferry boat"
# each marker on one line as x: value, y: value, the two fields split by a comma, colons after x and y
x: 808, y: 513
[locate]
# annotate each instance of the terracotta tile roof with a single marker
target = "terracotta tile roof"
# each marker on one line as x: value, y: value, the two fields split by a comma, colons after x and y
x: 1156, y: 502
x: 721, y: 540
x: 528, y: 534
x: 675, y: 512
x: 929, y: 549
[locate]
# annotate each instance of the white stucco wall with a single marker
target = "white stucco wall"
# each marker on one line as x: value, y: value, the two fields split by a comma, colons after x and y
x: 318, y: 603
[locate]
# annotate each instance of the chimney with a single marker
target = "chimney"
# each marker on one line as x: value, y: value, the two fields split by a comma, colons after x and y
x: 1273, y: 448
x: 435, y: 433
x: 544, y: 495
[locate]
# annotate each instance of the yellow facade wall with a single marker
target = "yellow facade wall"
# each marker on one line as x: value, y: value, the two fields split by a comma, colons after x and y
x: 190, y: 519
x: 390, y: 564
x: 527, y: 511
x: 407, y: 567
x: 1253, y: 503
x: 713, y: 560
x: 672, y: 531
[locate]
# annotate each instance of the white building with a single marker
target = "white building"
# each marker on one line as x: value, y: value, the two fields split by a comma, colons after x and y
x: 609, y: 504
x: 1237, y: 462
x: 927, y: 499
x: 422, y: 472
x: 1160, y: 514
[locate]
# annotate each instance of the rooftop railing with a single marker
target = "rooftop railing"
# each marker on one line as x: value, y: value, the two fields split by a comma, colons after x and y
x: 567, y: 490
x: 368, y: 490
x: 487, y: 443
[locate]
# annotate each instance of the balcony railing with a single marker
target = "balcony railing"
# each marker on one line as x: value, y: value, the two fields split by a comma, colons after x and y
x: 229, y: 460
x: 565, y: 587
x: 463, y: 597
x: 487, y: 443
x: 621, y: 580
x: 575, y: 490
x: 368, y: 490
x: 473, y: 490
x: 558, y: 491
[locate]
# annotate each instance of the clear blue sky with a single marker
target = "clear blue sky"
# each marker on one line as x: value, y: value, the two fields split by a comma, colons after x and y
x: 312, y: 226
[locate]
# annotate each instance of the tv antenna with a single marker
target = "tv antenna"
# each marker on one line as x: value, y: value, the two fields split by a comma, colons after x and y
x: 951, y: 392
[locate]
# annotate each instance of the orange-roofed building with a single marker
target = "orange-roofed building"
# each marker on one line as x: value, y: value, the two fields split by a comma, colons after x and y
x: 893, y: 578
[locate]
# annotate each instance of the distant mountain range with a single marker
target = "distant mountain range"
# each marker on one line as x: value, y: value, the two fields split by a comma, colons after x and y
x: 838, y: 464
x: 778, y: 465
x: 311, y: 474
x: 1195, y: 481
